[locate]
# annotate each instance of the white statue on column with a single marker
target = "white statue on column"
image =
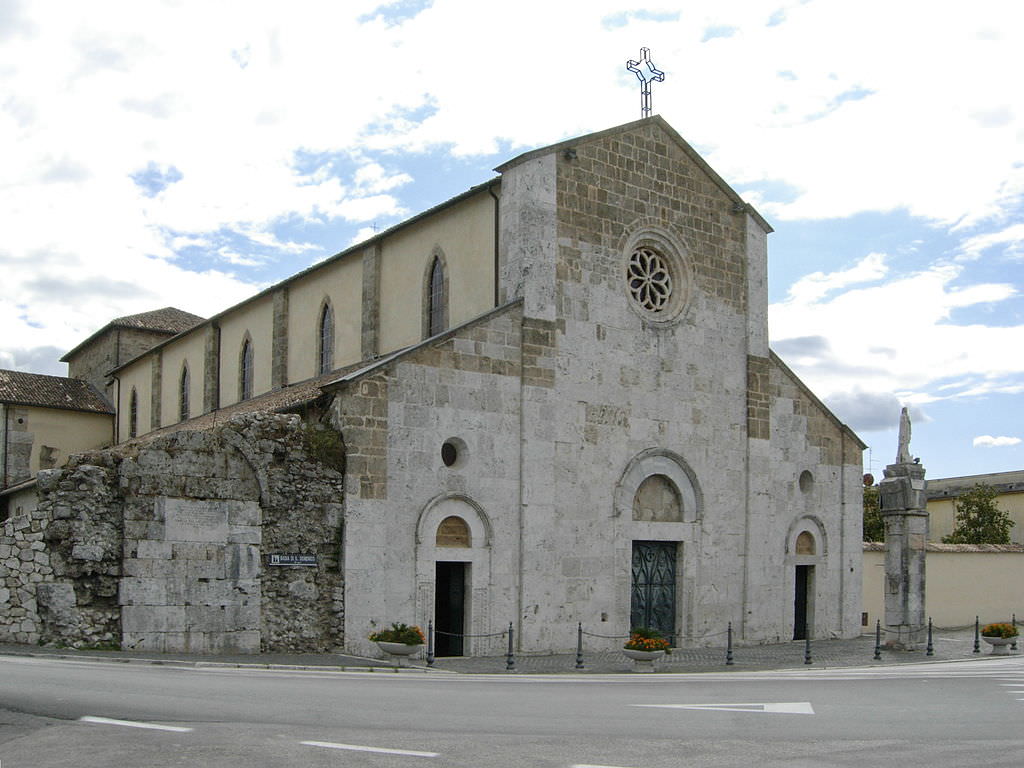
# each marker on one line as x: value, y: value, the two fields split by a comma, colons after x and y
x: 903, y: 454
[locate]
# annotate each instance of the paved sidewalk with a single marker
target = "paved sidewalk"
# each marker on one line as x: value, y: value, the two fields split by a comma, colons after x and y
x: 948, y: 645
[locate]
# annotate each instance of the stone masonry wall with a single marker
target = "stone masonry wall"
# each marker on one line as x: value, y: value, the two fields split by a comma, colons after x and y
x: 166, y: 545
x: 24, y: 565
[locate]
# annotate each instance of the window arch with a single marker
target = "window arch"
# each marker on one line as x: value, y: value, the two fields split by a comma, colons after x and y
x: 805, y: 544
x: 184, y: 384
x: 245, y: 367
x: 133, y: 414
x: 453, y: 532
x: 325, y: 337
x: 435, y: 303
x: 657, y: 501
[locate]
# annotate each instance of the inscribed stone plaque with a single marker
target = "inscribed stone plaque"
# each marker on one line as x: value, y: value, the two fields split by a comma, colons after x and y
x: 195, y: 520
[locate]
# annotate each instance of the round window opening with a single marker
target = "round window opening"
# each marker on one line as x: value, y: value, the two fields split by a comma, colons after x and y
x: 806, y: 481
x: 658, y: 275
x: 453, y: 452
x: 449, y: 454
x: 650, y: 279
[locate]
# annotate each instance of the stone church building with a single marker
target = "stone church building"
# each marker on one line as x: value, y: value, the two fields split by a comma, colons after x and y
x: 548, y: 400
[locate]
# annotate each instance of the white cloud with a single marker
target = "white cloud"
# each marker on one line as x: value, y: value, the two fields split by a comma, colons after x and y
x: 987, y: 441
x: 817, y: 285
x: 93, y: 95
x: 1012, y: 236
x: 897, y: 336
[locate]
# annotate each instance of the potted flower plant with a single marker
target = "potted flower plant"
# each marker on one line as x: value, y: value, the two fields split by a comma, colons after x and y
x: 1000, y: 636
x: 400, y: 640
x: 645, y: 646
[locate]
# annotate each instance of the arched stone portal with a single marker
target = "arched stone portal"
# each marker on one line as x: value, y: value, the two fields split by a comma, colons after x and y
x: 657, y: 509
x: 806, y: 546
x: 453, y: 574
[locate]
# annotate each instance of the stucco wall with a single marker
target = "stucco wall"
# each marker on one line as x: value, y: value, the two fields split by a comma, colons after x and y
x: 341, y: 282
x: 257, y: 319
x: 138, y: 375
x: 963, y: 581
x: 465, y: 234
x: 190, y: 349
x: 44, y: 438
x: 942, y: 516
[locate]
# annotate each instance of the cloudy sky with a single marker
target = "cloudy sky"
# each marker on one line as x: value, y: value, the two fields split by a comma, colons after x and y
x: 190, y: 153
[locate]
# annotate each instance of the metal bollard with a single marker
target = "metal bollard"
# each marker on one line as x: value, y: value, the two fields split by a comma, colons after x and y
x: 1013, y: 645
x: 977, y: 636
x: 728, y: 646
x: 579, y: 645
x: 430, y: 643
x: 807, y: 646
x: 878, y: 639
x: 930, y: 650
x: 510, y: 659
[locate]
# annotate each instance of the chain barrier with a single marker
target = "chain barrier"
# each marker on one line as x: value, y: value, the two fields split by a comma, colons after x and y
x: 432, y: 633
x: 729, y: 660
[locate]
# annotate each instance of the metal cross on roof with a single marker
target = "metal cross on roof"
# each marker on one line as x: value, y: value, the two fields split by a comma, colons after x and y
x: 646, y: 74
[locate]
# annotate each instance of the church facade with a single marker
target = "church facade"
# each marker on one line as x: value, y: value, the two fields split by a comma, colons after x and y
x: 552, y: 401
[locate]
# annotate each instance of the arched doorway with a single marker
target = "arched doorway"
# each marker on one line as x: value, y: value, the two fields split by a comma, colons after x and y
x: 804, y: 548
x: 653, y: 593
x: 450, y: 580
x: 453, y: 563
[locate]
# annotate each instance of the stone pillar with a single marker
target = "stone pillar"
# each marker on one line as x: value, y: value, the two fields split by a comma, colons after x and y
x: 279, y: 341
x: 156, y: 388
x: 370, y: 328
x: 211, y: 368
x: 902, y: 498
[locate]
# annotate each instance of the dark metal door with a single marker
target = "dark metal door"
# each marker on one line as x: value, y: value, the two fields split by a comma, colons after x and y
x: 449, y: 609
x: 803, y: 573
x: 653, y: 603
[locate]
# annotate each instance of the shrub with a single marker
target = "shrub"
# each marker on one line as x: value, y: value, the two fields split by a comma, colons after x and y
x: 979, y: 520
x: 325, y: 445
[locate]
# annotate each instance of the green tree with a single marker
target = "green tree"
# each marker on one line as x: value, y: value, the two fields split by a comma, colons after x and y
x: 979, y: 520
x: 874, y: 528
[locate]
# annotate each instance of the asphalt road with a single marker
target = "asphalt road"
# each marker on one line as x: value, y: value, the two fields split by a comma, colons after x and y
x: 76, y: 713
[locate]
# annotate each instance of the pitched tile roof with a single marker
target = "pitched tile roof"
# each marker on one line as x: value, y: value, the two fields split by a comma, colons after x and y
x: 168, y: 320
x: 283, y: 400
x: 19, y: 388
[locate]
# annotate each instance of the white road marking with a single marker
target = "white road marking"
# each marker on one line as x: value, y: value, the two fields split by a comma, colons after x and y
x: 133, y: 724
x: 592, y: 765
x: 778, y: 708
x: 359, y: 748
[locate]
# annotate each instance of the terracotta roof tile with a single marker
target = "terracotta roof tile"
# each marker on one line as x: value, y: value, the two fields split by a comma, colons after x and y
x: 21, y: 388
x: 168, y: 319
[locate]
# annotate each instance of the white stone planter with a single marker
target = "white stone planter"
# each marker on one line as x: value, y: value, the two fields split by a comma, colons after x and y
x: 1000, y: 645
x: 400, y: 651
x: 643, y: 661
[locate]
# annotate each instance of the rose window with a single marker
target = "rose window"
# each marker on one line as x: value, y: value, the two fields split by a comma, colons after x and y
x: 650, y: 282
